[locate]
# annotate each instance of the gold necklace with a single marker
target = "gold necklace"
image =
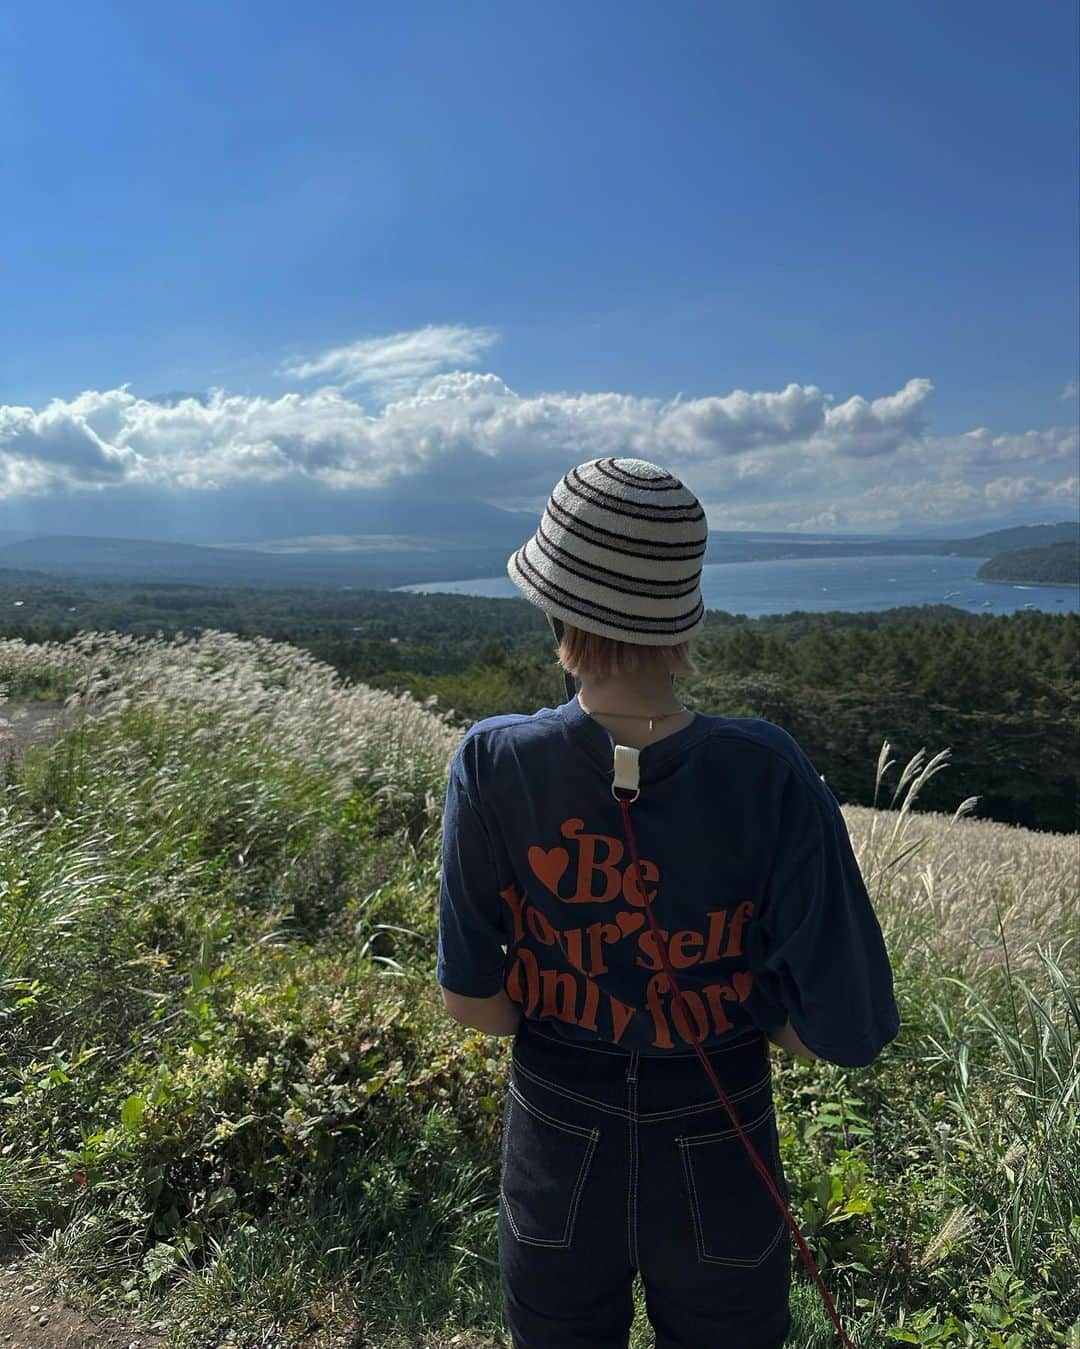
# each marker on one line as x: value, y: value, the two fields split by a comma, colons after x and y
x: 634, y: 716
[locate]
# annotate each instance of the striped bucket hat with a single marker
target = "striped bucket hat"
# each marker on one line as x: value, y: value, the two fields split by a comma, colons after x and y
x: 618, y: 552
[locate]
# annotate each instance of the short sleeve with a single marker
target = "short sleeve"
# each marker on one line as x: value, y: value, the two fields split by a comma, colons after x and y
x: 821, y: 954
x: 471, y: 923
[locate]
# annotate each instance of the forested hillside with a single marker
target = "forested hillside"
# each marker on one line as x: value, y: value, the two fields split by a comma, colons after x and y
x: 1059, y: 564
x: 1002, y: 692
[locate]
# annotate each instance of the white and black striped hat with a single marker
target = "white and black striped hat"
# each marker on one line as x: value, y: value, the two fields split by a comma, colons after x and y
x: 618, y: 552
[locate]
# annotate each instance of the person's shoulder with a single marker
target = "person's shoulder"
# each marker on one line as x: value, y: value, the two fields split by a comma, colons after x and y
x: 756, y: 733
x: 776, y: 745
x: 484, y: 736
x: 514, y: 722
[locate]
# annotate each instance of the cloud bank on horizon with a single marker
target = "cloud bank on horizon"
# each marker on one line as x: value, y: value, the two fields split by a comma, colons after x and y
x: 411, y: 412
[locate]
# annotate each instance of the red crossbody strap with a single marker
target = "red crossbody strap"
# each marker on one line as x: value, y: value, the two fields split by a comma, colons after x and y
x: 626, y: 777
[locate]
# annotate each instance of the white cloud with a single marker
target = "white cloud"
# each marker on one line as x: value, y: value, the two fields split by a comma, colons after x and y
x: 393, y: 366
x: 1071, y: 389
x: 788, y: 458
x: 741, y: 421
x: 62, y: 438
x: 983, y: 449
x: 880, y: 425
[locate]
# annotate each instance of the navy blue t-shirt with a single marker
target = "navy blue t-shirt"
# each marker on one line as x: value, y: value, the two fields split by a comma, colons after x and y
x: 746, y: 862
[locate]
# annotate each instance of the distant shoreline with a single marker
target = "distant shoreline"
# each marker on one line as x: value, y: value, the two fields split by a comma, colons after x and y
x: 997, y: 581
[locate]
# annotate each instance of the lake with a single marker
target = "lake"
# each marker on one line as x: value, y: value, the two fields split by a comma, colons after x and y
x: 848, y: 583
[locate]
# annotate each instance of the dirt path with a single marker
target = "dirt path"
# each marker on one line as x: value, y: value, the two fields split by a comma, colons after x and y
x: 26, y: 723
x: 31, y: 1318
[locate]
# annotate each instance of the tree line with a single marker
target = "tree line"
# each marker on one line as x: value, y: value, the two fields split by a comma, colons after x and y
x: 1001, y: 692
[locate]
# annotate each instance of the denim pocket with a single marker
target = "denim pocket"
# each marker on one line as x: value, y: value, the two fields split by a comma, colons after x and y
x: 545, y: 1165
x: 737, y: 1221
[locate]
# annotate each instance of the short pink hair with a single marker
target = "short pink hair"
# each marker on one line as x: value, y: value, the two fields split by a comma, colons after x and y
x: 587, y: 653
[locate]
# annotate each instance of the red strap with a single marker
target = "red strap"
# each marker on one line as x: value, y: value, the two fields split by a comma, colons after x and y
x: 759, y: 1165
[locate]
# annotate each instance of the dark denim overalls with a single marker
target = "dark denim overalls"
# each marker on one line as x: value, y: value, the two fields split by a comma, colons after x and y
x: 616, y: 1161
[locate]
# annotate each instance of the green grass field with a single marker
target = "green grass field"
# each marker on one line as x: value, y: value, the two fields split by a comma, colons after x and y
x: 234, y: 1108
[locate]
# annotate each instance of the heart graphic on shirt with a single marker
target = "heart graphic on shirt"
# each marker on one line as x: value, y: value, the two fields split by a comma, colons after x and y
x: 742, y: 981
x: 549, y: 866
x: 629, y: 922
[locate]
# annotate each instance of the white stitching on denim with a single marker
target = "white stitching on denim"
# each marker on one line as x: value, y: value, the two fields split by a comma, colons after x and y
x: 509, y: 1215
x: 647, y: 1116
x: 565, y: 1091
x: 630, y: 1081
x: 748, y: 1037
x: 629, y: 1219
x: 695, y: 1205
x: 733, y: 1261
x: 727, y: 1133
x: 542, y: 1114
x: 695, y: 1217
x: 650, y: 1116
x: 568, y: 1044
x: 635, y: 1159
x: 579, y: 1186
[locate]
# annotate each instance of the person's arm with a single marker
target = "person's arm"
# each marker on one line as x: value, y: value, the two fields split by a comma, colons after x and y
x: 818, y: 954
x: 497, y: 1015
x: 785, y: 1037
x: 472, y: 916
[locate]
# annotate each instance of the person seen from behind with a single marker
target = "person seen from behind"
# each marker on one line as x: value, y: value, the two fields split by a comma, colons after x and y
x: 618, y: 1159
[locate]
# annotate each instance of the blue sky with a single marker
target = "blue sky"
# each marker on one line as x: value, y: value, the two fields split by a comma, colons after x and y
x: 861, y: 218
